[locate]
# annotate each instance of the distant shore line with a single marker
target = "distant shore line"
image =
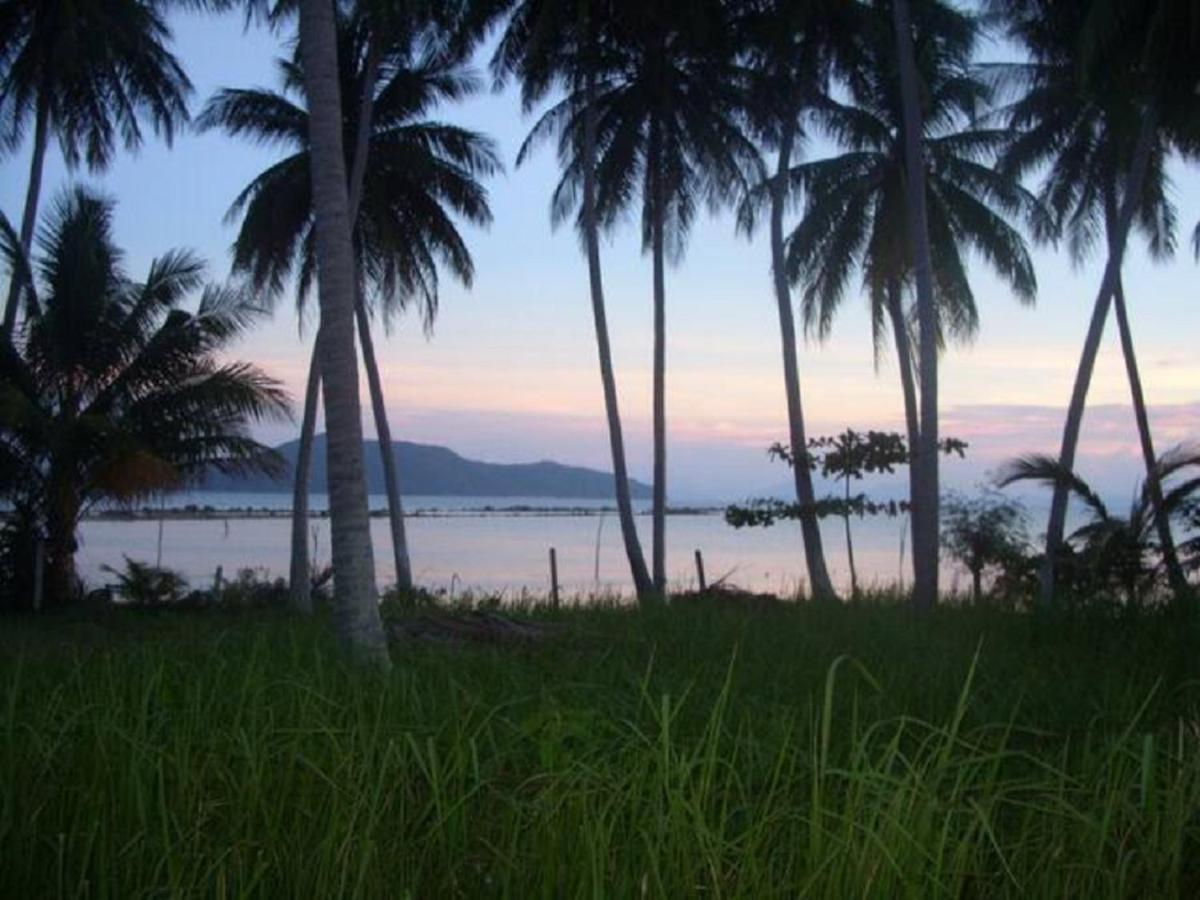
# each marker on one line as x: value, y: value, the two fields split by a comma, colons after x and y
x: 206, y: 512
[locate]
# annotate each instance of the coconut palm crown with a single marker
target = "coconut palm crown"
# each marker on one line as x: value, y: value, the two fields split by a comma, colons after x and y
x: 86, y: 75
x: 421, y: 173
x: 854, y: 214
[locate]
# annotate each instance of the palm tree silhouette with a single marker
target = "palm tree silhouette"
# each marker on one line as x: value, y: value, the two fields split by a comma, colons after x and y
x: 790, y: 53
x: 667, y: 104
x: 115, y: 390
x: 86, y: 74
x: 1101, y: 129
x: 547, y: 45
x: 856, y: 214
x: 419, y: 172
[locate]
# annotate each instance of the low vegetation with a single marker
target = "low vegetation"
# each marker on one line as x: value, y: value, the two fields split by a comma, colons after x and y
x: 698, y: 748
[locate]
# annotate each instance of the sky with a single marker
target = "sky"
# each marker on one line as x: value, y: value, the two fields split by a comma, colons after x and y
x: 510, y: 372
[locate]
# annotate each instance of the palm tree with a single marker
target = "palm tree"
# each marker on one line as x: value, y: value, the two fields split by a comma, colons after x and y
x: 667, y: 104
x: 353, y: 560
x: 1119, y: 550
x: 419, y: 170
x: 925, y: 460
x: 85, y: 74
x: 355, y: 596
x: 1102, y: 139
x: 856, y: 215
x: 791, y: 52
x: 547, y: 45
x: 113, y: 390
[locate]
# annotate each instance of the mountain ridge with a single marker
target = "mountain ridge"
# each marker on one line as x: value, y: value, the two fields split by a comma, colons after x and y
x: 431, y: 470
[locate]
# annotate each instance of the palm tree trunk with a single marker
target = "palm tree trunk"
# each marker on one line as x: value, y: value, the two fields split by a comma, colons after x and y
x: 925, y: 454
x: 908, y: 386
x: 300, y: 575
x: 810, y: 530
x: 62, y: 521
x: 387, y: 454
x: 1162, y: 522
x: 41, y: 138
x: 658, y: 252
x: 642, y: 583
x: 1091, y: 346
x: 366, y: 113
x: 850, y: 543
x: 356, y: 601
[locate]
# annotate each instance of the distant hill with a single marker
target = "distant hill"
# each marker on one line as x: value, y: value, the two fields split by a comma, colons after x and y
x: 431, y: 471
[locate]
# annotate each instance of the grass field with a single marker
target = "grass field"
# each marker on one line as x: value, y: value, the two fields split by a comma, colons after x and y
x: 697, y: 750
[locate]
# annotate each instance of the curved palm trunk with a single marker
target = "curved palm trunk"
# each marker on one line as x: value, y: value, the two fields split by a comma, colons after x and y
x: 1091, y: 346
x: 633, y: 546
x: 810, y: 531
x: 658, y: 251
x: 387, y: 454
x: 925, y: 454
x: 908, y: 386
x: 356, y: 601
x: 41, y: 138
x: 300, y: 575
x: 383, y: 431
x: 1162, y: 522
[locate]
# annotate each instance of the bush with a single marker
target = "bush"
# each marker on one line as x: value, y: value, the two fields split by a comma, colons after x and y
x: 18, y: 543
x: 145, y: 585
x: 253, y: 589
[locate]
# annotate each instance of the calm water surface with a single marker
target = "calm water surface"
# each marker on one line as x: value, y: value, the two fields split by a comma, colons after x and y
x: 496, y: 551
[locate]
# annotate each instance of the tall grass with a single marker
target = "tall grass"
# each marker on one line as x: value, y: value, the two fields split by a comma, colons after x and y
x: 676, y: 752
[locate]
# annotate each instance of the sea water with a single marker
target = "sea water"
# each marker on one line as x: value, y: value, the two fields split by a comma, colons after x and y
x: 490, y: 544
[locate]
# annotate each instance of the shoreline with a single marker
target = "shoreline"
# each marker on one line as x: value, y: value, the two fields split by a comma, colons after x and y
x: 192, y: 512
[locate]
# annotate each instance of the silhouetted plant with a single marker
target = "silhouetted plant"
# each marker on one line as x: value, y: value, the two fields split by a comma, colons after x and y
x: 856, y: 218
x: 19, y: 534
x: 667, y: 109
x: 985, y: 533
x: 1114, y: 553
x: 113, y: 391
x: 845, y: 457
x: 87, y: 75
x: 1103, y: 104
x: 145, y: 585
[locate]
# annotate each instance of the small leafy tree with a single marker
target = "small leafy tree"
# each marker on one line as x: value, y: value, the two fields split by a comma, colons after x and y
x: 845, y: 457
x: 986, y: 532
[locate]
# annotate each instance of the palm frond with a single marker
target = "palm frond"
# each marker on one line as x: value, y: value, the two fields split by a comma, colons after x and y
x: 1048, y: 470
x: 265, y: 117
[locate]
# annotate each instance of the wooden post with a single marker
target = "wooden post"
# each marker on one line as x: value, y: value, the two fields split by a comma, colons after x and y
x: 553, y: 578
x: 218, y: 583
x: 39, y: 568
x: 700, y: 572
